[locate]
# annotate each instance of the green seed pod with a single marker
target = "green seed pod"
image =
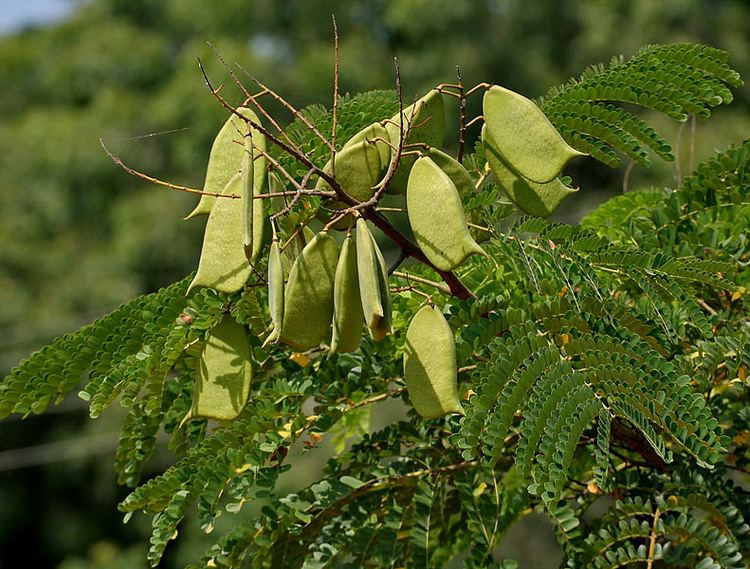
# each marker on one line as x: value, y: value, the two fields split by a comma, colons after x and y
x: 347, y: 307
x: 247, y: 199
x: 430, y: 368
x: 535, y: 199
x: 374, y: 293
x: 371, y: 133
x: 358, y: 170
x: 455, y: 170
x: 524, y: 136
x: 428, y: 127
x: 225, y: 159
x: 437, y: 218
x: 225, y: 372
x: 308, y: 302
x: 260, y: 185
x: 275, y: 289
x: 464, y: 184
x: 223, y: 266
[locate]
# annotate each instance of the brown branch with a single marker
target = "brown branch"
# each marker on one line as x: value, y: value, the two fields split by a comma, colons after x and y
x: 457, y: 288
x: 634, y: 440
x: 474, y: 120
x: 117, y: 160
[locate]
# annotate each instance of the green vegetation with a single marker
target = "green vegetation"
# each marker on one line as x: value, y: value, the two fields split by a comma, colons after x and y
x: 650, y: 285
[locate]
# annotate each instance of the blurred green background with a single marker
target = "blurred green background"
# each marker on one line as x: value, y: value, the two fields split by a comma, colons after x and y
x: 78, y: 236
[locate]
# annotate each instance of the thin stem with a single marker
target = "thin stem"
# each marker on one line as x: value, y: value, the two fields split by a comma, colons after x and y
x: 249, y: 98
x: 416, y: 279
x: 626, y: 177
x: 117, y: 160
x: 292, y: 151
x: 678, y: 155
x: 475, y: 120
x: 291, y: 108
x: 335, y: 93
x: 652, y: 540
x: 478, y: 87
x: 297, y: 195
x: 462, y: 125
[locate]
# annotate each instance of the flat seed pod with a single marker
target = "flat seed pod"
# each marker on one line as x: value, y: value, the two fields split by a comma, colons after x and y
x: 371, y: 133
x: 224, y: 160
x: 225, y: 372
x: 437, y: 218
x: 223, y: 266
x: 428, y: 127
x: 260, y: 185
x: 358, y: 170
x: 308, y: 302
x: 275, y: 289
x: 455, y: 170
x: 525, y: 137
x: 535, y: 199
x: 464, y: 184
x: 375, y: 295
x: 347, y: 307
x: 430, y: 368
x: 247, y: 199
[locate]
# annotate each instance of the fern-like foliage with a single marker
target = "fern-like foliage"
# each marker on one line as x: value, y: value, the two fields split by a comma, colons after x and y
x: 677, y: 80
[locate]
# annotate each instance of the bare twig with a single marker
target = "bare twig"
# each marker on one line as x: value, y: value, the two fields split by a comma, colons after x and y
x: 478, y: 87
x: 652, y: 540
x: 462, y: 125
x: 476, y: 119
x: 117, y: 160
x: 416, y: 279
x: 335, y: 94
x: 297, y: 195
x: 249, y: 98
x: 286, y: 104
x: 292, y: 151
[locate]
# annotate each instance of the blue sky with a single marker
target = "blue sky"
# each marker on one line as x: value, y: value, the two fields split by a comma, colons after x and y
x: 15, y: 14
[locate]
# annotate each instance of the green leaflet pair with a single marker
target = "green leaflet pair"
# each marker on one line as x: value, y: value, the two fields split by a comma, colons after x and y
x: 235, y: 230
x: 525, y: 151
